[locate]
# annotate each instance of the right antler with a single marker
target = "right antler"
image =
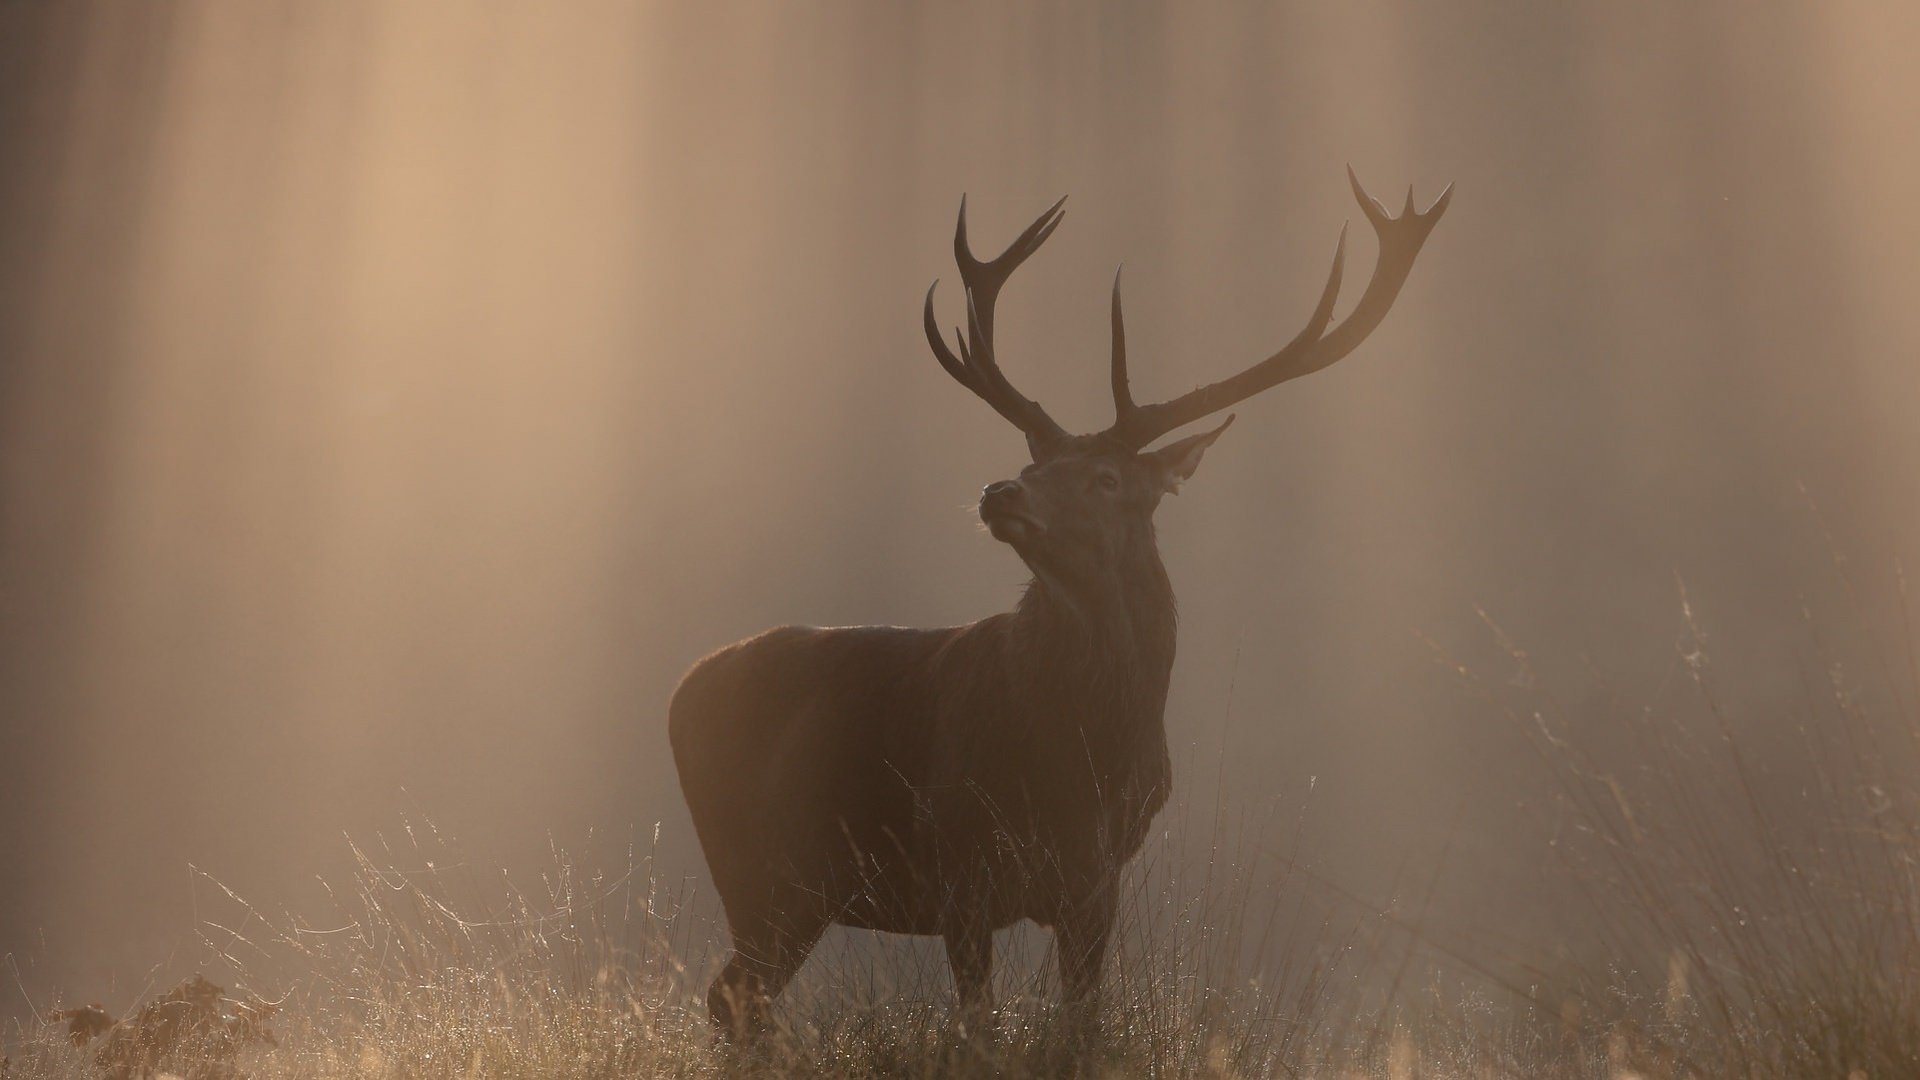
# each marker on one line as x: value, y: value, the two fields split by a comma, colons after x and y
x: 976, y: 367
x: 1313, y: 348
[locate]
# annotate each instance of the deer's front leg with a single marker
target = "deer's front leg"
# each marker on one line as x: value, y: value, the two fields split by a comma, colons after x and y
x: 970, y: 954
x: 1080, y: 942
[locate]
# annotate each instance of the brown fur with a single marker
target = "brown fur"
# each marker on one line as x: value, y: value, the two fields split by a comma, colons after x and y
x: 948, y: 781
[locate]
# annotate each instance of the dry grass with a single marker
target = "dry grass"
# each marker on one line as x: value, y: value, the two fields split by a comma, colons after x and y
x: 1746, y: 919
x: 424, y: 971
x: 1761, y: 907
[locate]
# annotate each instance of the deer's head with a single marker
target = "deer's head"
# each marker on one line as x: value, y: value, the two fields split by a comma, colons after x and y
x: 1083, y: 515
x: 1083, y: 511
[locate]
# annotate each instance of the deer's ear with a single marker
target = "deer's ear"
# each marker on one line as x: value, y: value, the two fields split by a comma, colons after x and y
x: 1177, y: 461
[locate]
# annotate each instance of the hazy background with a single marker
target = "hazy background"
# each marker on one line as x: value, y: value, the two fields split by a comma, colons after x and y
x: 395, y: 399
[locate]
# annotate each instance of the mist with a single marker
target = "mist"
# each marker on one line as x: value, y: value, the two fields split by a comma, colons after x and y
x: 395, y: 400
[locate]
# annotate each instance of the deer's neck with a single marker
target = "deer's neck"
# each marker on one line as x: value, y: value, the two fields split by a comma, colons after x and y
x: 1104, y: 649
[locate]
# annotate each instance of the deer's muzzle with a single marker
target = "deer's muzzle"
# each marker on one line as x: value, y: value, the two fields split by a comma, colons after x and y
x: 1004, y: 509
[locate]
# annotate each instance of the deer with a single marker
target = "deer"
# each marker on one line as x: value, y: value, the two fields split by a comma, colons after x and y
x: 953, y: 781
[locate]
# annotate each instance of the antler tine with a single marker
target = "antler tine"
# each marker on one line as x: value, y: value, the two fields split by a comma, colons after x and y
x: 976, y: 366
x: 1002, y: 265
x: 1122, y: 393
x: 983, y: 278
x: 953, y: 364
x: 1315, y: 346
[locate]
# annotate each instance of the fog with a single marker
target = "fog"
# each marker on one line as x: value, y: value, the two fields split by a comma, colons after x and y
x: 396, y: 399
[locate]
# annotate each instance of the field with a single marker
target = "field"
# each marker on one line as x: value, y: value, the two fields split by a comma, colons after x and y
x: 1752, y: 914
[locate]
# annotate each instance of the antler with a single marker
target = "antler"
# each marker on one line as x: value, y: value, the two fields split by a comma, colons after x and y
x: 976, y: 367
x: 1313, y: 348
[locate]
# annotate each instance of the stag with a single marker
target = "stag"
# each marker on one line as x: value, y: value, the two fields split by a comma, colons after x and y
x: 953, y: 781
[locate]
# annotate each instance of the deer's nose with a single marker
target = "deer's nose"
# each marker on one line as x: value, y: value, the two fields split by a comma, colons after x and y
x: 1001, y: 489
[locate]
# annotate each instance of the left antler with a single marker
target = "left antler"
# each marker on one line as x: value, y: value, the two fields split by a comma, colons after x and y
x: 976, y: 367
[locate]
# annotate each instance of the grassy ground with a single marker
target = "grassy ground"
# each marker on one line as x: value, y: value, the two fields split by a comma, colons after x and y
x: 1746, y: 920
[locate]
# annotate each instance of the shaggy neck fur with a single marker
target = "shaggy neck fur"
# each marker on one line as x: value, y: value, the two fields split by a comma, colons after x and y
x: 1105, y: 643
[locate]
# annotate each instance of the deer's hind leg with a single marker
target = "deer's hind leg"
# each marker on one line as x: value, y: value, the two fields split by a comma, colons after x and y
x: 770, y: 942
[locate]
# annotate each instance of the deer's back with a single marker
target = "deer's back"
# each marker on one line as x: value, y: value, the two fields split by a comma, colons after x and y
x: 762, y: 708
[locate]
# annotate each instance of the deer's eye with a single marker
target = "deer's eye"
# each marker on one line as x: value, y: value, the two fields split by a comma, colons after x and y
x: 1108, y: 481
